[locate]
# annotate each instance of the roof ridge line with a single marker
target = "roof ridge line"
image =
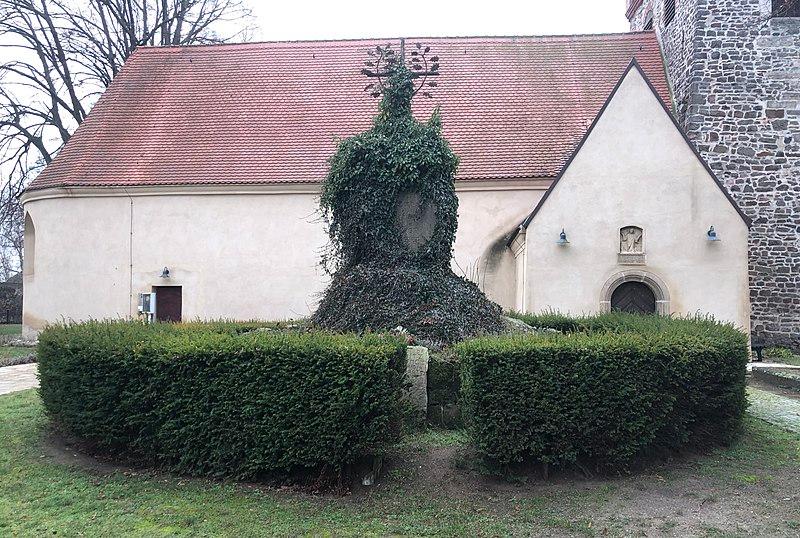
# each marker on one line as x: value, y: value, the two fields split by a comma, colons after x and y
x: 256, y: 44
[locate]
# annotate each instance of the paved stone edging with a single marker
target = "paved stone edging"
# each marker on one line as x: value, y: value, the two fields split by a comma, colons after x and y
x: 19, y: 377
x: 771, y: 366
x: 776, y: 409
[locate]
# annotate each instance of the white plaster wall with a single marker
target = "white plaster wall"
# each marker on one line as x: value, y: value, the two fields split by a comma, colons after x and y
x: 486, y: 219
x: 635, y: 169
x: 80, y: 261
x: 242, y: 256
x: 236, y: 256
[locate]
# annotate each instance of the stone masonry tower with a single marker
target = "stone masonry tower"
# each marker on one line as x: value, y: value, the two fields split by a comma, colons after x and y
x: 734, y: 70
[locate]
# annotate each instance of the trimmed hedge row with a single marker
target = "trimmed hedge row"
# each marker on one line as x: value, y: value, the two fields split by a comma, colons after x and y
x: 615, y: 388
x: 214, y: 399
x: 622, y: 322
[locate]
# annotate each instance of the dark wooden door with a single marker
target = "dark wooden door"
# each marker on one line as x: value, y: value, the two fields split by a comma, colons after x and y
x: 634, y: 297
x: 169, y: 302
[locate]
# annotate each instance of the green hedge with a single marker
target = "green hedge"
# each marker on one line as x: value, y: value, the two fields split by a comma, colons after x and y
x: 623, y: 322
x: 614, y: 388
x: 214, y: 399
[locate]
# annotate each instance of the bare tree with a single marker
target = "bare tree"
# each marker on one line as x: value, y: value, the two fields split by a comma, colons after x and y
x: 12, y: 231
x: 57, y: 56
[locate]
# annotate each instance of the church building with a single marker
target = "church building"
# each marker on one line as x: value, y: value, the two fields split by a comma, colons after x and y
x: 191, y: 190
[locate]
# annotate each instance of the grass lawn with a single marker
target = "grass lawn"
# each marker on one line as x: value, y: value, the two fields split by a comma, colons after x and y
x: 10, y: 329
x: 7, y: 352
x: 780, y: 354
x: 431, y: 487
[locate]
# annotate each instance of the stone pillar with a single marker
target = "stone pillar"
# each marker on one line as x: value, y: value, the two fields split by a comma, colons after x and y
x: 417, y: 375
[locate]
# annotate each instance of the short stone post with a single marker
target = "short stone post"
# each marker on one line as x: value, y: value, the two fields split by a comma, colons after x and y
x: 417, y: 375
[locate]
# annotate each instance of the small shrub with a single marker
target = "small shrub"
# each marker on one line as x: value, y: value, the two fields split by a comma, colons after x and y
x: 214, y: 399
x: 614, y: 388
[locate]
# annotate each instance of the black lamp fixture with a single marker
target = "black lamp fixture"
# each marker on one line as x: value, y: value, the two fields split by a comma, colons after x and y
x: 562, y: 238
x: 165, y: 272
x: 712, y: 234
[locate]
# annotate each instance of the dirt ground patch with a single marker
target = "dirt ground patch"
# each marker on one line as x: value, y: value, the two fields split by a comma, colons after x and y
x: 789, y: 393
x: 751, y: 488
x: 62, y: 450
x: 747, y: 489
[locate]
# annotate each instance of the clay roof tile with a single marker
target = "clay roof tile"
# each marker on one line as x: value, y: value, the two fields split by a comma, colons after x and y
x: 255, y: 113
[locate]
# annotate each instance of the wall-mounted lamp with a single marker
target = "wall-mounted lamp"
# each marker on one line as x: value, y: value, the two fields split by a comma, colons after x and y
x: 562, y: 238
x: 165, y: 272
x: 712, y: 234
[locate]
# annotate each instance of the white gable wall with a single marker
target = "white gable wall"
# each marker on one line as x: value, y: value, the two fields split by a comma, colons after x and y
x: 636, y: 169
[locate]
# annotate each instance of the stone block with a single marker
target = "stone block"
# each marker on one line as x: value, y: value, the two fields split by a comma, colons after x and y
x: 417, y: 358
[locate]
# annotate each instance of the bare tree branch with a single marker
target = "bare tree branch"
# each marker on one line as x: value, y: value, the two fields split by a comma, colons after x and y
x: 65, y: 53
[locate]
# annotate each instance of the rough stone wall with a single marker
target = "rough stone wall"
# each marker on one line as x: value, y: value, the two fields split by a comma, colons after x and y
x: 735, y: 73
x: 677, y: 44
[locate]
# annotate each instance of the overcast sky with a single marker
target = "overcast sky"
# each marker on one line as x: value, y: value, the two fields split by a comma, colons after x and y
x: 343, y: 19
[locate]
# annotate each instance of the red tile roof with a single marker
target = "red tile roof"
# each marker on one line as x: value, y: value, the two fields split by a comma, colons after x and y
x: 512, y: 107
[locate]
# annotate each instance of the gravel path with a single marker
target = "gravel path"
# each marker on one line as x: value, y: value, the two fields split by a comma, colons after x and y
x: 774, y: 408
x: 20, y: 377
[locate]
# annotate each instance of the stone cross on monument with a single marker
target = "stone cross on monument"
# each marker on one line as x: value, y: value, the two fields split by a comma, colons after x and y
x: 383, y: 61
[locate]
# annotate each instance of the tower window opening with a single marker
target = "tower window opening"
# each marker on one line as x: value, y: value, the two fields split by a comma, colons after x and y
x: 669, y: 11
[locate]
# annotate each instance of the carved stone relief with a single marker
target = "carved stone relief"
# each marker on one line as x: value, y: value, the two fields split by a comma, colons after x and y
x: 415, y: 219
x: 630, y: 239
x: 631, y: 246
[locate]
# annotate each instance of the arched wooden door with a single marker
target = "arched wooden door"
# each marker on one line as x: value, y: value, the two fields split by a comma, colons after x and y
x: 633, y: 297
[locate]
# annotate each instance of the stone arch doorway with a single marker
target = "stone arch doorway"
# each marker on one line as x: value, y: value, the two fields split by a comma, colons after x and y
x: 650, y: 282
x: 634, y: 298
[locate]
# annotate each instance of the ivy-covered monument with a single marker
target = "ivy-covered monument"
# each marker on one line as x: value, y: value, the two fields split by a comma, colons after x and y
x: 391, y: 210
